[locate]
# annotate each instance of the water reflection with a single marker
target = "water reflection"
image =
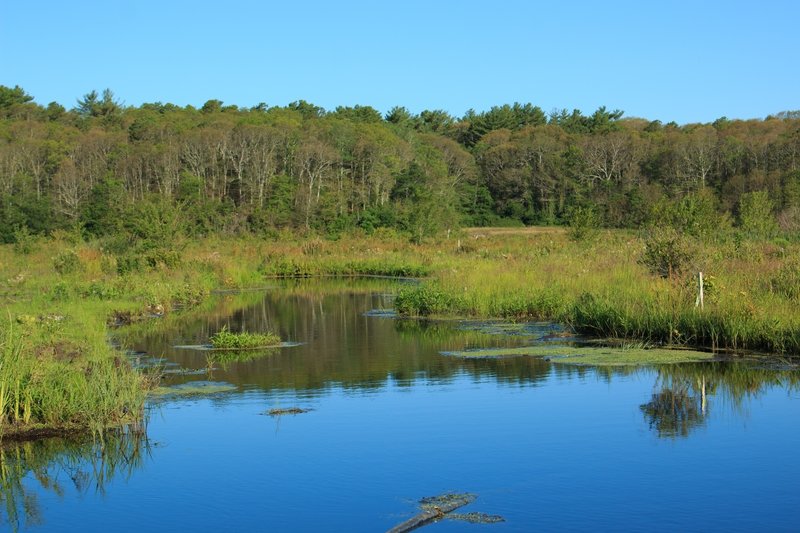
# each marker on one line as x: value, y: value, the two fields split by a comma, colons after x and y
x: 63, y: 466
x: 683, y: 394
x: 348, y: 339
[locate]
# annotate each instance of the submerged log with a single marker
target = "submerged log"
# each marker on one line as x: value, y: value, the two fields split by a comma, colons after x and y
x: 433, y: 509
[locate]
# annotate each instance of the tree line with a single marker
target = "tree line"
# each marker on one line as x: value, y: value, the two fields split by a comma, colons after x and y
x: 106, y: 168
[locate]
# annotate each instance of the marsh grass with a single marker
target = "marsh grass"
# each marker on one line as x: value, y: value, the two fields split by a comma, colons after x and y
x: 64, y: 384
x: 603, y: 289
x: 225, y: 339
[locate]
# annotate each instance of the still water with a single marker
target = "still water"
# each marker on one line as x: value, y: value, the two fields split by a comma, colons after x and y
x: 547, y: 446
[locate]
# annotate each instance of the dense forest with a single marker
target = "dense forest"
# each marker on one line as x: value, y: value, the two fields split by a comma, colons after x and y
x: 106, y: 169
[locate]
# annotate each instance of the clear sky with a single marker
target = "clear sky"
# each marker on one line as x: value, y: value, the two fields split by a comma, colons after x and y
x: 687, y: 61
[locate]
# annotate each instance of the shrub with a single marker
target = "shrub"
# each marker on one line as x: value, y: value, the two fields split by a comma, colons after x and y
x: 67, y: 262
x: 583, y: 224
x: 24, y: 241
x: 755, y: 215
x: 667, y: 253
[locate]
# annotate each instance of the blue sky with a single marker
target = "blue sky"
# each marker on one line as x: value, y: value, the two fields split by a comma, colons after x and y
x: 687, y: 61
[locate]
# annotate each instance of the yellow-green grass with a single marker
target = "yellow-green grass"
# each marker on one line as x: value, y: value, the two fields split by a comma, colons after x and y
x: 603, y: 290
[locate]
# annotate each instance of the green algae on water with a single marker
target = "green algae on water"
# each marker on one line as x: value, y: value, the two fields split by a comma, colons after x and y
x: 591, y: 355
x: 193, y: 388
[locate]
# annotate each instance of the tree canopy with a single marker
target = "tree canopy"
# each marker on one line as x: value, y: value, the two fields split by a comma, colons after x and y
x: 225, y: 168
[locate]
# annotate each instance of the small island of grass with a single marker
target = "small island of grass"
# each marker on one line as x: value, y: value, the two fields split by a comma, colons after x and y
x: 225, y: 339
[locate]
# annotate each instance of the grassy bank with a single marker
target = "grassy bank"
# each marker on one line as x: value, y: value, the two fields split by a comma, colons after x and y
x: 603, y: 288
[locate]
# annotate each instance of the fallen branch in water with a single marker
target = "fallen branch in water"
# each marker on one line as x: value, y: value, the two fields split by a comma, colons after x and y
x: 433, y: 509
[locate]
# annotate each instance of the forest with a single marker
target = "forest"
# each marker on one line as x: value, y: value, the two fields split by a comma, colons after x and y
x: 158, y: 171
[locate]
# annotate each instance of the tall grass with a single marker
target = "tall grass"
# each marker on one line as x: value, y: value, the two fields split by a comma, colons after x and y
x: 71, y: 387
x: 602, y: 288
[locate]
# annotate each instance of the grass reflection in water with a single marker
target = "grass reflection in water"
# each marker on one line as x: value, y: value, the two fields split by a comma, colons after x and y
x: 62, y: 466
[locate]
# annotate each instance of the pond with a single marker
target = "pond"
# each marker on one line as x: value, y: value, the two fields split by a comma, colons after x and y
x: 388, y: 419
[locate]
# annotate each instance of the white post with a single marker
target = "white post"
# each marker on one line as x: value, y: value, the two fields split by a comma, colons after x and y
x: 701, y: 289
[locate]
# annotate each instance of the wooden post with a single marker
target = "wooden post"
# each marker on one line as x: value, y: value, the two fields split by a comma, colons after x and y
x: 701, y: 289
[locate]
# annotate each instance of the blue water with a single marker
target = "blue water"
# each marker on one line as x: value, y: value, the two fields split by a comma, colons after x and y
x: 548, y: 447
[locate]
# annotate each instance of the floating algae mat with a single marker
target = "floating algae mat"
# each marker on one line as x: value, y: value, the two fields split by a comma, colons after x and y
x: 591, y: 355
x: 194, y: 388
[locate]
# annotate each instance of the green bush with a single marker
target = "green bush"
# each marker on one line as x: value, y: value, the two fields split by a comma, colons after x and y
x: 756, y: 218
x: 102, y: 291
x: 667, y: 253
x: 67, y: 262
x: 583, y: 224
x: 24, y: 241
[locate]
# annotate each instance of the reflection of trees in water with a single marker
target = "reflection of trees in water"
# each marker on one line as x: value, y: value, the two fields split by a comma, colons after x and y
x: 675, y: 410
x: 343, y: 347
x: 683, y: 392
x: 62, y: 464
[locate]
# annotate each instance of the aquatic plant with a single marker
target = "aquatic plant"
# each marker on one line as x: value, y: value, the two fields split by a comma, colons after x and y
x: 225, y: 339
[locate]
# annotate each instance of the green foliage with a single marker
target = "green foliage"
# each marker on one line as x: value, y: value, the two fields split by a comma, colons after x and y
x: 667, y: 253
x: 154, y: 223
x: 227, y: 340
x: 67, y: 262
x: 583, y: 224
x: 103, y: 213
x: 63, y: 384
x: 398, y: 115
x: 10, y: 97
x: 696, y: 214
x: 24, y: 241
x: 756, y: 218
x: 423, y: 300
x: 228, y: 170
x: 786, y: 281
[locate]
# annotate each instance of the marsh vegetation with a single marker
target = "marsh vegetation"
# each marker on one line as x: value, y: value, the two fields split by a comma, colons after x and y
x: 59, y: 370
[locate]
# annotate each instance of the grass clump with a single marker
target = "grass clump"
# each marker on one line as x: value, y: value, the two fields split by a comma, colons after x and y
x: 63, y: 384
x: 225, y: 339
